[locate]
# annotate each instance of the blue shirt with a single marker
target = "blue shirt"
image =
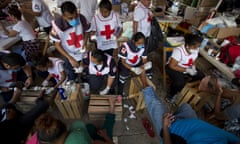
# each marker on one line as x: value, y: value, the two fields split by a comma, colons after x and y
x: 196, y: 131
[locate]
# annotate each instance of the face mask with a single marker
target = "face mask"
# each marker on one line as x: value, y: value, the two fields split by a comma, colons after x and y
x: 74, y: 22
x: 193, y: 51
x: 140, y: 46
x: 16, y: 69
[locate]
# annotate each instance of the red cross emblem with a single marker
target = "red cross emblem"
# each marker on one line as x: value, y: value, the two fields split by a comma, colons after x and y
x: 190, y: 62
x: 13, y: 78
x: 134, y: 59
x: 149, y: 18
x: 108, y: 31
x: 75, y: 40
x: 98, y: 73
x: 55, y: 76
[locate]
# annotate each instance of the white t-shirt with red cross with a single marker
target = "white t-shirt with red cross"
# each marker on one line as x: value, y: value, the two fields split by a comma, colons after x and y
x: 56, y: 69
x: 105, y: 29
x: 184, y: 59
x: 44, y: 20
x: 24, y: 30
x: 143, y: 16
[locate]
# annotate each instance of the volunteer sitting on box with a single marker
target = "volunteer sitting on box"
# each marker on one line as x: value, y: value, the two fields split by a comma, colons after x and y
x: 55, y: 69
x: 12, y: 64
x: 133, y: 57
x: 182, y: 63
x: 102, y: 72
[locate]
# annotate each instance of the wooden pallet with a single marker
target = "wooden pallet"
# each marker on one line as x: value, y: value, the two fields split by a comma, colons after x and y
x: 99, y: 107
x: 28, y: 98
x: 71, y: 108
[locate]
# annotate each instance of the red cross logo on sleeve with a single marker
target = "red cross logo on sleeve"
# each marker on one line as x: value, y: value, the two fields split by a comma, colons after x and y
x: 190, y: 62
x: 108, y: 31
x: 134, y: 59
x: 75, y: 40
x: 149, y: 18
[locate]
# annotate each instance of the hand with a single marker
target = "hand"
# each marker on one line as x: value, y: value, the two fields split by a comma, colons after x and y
x: 137, y: 70
x: 28, y: 82
x: 78, y: 70
x: 194, y: 68
x: 191, y: 71
x: 103, y: 133
x: 105, y: 91
x: 74, y: 63
x: 45, y: 83
x: 48, y: 91
x: 148, y: 65
x: 168, y: 118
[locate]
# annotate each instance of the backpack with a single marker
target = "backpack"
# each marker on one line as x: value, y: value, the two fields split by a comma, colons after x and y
x: 155, y: 37
x: 230, y: 52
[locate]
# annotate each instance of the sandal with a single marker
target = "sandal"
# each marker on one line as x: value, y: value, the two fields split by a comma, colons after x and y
x: 148, y: 126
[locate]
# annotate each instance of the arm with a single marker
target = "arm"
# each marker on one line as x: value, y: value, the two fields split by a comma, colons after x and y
x: 65, y: 54
x: 125, y: 64
x: 168, y: 118
x: 27, y: 70
x: 173, y: 64
x: 10, y: 33
x: 135, y: 26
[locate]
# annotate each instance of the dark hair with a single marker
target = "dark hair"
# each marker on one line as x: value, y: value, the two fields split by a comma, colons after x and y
x: 191, y: 39
x: 13, y: 59
x: 43, y: 61
x: 13, y: 10
x: 105, y: 4
x: 99, y: 55
x: 68, y: 7
x: 49, y: 128
x: 137, y: 36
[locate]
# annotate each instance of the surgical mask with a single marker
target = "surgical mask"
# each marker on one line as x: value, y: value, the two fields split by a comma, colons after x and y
x: 16, y: 69
x: 74, y: 22
x: 193, y: 51
x: 140, y: 46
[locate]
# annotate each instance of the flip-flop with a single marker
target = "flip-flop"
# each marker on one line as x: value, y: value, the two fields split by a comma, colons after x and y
x: 148, y: 126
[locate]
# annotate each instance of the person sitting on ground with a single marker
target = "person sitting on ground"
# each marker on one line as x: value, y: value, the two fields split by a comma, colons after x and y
x: 51, y: 130
x: 15, y: 126
x: 12, y: 66
x: 133, y: 57
x: 182, y: 63
x: 213, y: 85
x: 102, y: 72
x: 55, y: 68
x: 24, y: 30
x: 182, y: 126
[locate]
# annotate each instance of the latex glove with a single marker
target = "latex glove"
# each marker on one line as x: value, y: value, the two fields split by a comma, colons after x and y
x: 194, y: 68
x: 136, y: 70
x: 78, y: 70
x: 48, y: 91
x: 45, y: 83
x: 105, y: 91
x: 191, y: 71
x: 148, y: 65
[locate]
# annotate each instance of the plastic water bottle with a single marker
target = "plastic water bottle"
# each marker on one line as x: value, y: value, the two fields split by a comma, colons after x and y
x: 62, y: 93
x: 204, y: 43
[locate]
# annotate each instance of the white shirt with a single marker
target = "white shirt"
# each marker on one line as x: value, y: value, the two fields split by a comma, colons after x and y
x: 25, y: 30
x: 184, y: 59
x: 45, y: 19
x: 142, y: 15
x: 57, y: 68
x: 86, y: 7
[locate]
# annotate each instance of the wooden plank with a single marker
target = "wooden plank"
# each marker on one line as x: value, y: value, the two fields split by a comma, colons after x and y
x: 76, y: 109
x: 67, y: 106
x: 103, y: 102
x: 61, y: 108
x: 94, y: 109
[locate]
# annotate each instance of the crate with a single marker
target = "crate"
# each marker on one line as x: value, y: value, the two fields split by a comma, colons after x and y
x: 28, y: 98
x: 71, y: 108
x: 99, y: 106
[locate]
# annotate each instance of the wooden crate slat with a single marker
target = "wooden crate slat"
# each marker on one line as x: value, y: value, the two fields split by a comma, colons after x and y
x: 94, y: 109
x: 102, y: 102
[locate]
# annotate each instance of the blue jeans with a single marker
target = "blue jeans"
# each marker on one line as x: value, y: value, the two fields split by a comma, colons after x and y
x: 156, y: 109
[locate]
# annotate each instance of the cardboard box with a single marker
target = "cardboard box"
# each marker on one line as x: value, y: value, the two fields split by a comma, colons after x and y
x: 207, y: 3
x: 116, y: 8
x: 221, y: 32
x: 194, y: 16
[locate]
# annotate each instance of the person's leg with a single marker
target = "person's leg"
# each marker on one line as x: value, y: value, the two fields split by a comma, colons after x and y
x: 198, y: 76
x: 47, y: 29
x: 71, y: 75
x: 185, y: 111
x: 178, y: 81
x: 109, y: 52
x: 156, y: 108
x: 95, y: 83
x: 109, y: 124
x: 123, y: 75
